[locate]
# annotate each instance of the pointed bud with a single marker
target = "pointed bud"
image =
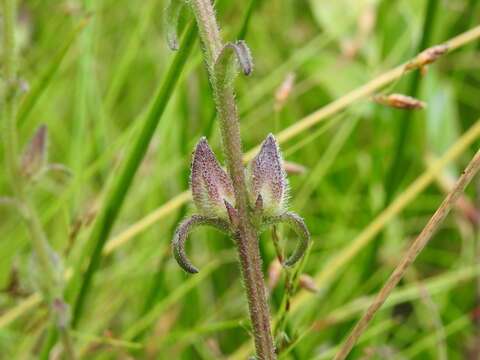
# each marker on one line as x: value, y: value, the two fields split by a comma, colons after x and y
x: 267, y: 178
x: 399, y: 101
x: 34, y: 159
x: 210, y: 184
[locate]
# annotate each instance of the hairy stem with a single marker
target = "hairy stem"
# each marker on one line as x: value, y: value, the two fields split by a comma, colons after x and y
x: 247, y: 237
x: 9, y: 101
x: 411, y: 254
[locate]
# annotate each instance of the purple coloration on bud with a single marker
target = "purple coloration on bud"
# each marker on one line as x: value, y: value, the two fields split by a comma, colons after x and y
x: 267, y: 178
x: 211, y: 185
x: 308, y: 283
x: 34, y: 159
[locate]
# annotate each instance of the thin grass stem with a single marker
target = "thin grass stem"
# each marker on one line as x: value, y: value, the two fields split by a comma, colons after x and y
x: 411, y: 254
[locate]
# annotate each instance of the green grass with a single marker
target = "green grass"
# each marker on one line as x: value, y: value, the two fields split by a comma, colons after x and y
x: 97, y: 91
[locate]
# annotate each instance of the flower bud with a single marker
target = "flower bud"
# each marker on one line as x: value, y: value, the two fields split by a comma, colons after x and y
x: 427, y: 56
x: 34, y: 159
x: 266, y: 178
x: 308, y: 283
x: 211, y: 186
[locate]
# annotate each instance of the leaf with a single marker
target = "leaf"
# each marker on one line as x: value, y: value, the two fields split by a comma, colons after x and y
x: 181, y: 235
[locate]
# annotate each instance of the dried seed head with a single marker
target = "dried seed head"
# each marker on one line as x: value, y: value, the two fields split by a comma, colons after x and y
x: 266, y: 177
x: 34, y: 159
x: 210, y: 184
x: 427, y: 56
x: 399, y: 101
x: 293, y: 168
x: 308, y: 283
x: 284, y: 91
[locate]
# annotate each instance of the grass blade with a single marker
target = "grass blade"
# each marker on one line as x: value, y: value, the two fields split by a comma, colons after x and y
x: 117, y: 193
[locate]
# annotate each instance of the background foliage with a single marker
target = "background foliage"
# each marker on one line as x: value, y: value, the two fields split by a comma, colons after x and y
x: 142, y: 305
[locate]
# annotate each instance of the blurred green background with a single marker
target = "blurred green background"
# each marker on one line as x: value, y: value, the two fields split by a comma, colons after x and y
x: 142, y: 305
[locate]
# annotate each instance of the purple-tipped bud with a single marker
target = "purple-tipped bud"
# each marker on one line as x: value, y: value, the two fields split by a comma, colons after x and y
x: 211, y: 185
x: 267, y: 179
x: 34, y: 159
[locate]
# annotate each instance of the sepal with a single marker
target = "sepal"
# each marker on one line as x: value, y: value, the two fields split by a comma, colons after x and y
x: 210, y: 184
x: 267, y: 179
x: 297, y: 224
x: 181, y: 235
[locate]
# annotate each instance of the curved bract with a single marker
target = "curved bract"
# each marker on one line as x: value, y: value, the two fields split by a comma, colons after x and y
x: 297, y: 225
x: 229, y: 52
x: 185, y: 229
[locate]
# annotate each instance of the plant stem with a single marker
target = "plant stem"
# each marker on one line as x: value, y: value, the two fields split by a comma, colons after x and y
x: 411, y: 254
x: 246, y: 236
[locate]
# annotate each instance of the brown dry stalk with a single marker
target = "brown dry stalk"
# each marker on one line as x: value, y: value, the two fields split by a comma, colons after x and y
x: 411, y: 254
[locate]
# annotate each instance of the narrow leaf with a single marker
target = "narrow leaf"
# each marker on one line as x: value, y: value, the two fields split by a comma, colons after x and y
x: 210, y: 184
x: 399, y: 101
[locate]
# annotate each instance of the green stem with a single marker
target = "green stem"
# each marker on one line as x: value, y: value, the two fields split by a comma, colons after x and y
x: 246, y: 236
